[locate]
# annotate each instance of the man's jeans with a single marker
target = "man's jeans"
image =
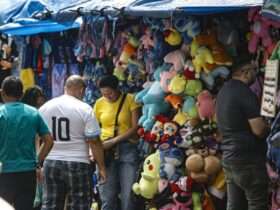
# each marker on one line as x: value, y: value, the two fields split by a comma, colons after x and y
x: 121, y: 174
x: 247, y: 186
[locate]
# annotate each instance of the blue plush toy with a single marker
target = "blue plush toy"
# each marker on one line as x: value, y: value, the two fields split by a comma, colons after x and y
x: 209, y: 79
x: 154, y: 104
x: 188, y: 26
x: 170, y: 162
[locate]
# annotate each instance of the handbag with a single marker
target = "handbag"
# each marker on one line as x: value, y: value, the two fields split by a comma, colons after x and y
x: 111, y: 154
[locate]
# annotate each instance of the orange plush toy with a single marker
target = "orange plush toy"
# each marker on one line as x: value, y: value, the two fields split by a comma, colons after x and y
x: 219, y: 53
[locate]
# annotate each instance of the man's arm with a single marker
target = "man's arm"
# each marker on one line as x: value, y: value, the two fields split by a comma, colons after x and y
x: 98, y: 154
x: 47, y: 143
x: 259, y: 127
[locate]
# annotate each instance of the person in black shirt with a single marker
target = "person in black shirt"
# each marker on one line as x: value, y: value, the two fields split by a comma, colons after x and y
x: 243, y: 141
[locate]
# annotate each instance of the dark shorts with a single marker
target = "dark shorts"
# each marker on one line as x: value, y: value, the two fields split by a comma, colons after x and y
x: 18, y: 189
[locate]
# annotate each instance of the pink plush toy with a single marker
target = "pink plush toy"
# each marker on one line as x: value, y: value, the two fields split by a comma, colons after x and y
x: 177, y: 58
x: 205, y: 105
x: 260, y: 30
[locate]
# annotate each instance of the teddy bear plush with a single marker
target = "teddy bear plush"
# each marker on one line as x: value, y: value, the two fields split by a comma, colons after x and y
x: 202, y: 168
x: 148, y: 184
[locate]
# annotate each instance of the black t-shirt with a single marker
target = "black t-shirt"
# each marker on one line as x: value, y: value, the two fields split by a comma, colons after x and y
x: 236, y: 104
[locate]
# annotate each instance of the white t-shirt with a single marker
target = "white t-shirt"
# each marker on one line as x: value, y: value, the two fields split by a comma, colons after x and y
x: 72, y: 122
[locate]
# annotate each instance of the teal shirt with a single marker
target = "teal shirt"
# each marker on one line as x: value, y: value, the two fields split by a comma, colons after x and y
x: 19, y: 124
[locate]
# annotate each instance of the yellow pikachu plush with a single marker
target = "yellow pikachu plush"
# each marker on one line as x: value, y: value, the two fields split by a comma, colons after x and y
x: 148, y: 184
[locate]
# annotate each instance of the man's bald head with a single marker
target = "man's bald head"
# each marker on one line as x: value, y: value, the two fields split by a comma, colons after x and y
x: 75, y: 86
x: 75, y: 81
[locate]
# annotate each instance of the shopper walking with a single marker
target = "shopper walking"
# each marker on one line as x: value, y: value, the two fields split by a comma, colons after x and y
x: 19, y: 124
x: 243, y: 144
x: 117, y: 113
x: 67, y: 171
x: 35, y: 97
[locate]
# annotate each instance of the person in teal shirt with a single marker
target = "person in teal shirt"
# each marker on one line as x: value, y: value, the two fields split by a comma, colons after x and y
x: 19, y: 124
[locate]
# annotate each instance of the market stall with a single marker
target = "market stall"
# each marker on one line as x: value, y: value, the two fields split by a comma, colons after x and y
x: 174, y: 56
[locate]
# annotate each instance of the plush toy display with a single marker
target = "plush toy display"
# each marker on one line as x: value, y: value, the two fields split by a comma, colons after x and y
x: 220, y: 56
x: 148, y: 184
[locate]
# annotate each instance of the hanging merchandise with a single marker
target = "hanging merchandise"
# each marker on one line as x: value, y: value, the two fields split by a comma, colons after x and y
x: 8, y: 56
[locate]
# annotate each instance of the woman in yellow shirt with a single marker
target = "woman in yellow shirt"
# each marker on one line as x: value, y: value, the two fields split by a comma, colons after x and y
x: 121, y: 159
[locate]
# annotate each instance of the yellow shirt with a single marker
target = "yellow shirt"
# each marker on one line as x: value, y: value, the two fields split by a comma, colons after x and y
x: 105, y: 113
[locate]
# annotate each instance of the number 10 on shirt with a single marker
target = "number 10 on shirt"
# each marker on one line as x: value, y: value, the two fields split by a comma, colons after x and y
x: 61, y: 128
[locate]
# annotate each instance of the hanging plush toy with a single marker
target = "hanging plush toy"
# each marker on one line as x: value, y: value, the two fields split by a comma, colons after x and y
x: 148, y: 184
x: 177, y: 84
x: 188, y: 26
x: 153, y: 99
x: 200, y: 169
x: 205, y: 105
x: 260, y: 31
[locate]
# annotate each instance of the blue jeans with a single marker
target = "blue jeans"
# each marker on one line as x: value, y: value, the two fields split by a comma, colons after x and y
x: 121, y: 175
x: 247, y: 186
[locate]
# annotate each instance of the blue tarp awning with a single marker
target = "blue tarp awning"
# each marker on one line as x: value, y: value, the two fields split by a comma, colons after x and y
x: 18, y: 15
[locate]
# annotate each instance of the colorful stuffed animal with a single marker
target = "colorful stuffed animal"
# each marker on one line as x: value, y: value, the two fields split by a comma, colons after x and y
x: 220, y: 56
x: 172, y: 37
x: 189, y: 107
x: 170, y: 162
x: 177, y: 84
x: 148, y: 184
x: 209, y: 79
x: 205, y: 105
x: 202, y: 168
x: 177, y: 59
x: 188, y: 26
x: 202, y: 57
x: 175, y: 100
x: 260, y: 30
x: 196, y: 199
x: 193, y: 87
x: 154, y: 104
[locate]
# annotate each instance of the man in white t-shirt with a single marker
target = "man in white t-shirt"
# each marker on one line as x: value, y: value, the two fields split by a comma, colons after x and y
x: 67, y: 167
